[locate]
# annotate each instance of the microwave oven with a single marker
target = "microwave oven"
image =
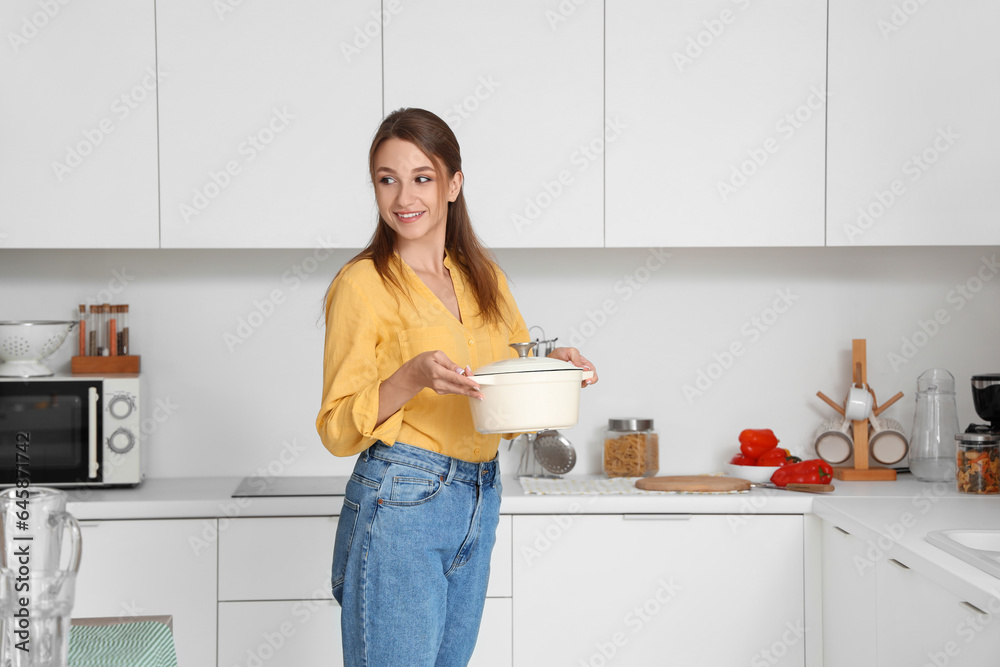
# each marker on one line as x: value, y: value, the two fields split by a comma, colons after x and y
x: 72, y: 431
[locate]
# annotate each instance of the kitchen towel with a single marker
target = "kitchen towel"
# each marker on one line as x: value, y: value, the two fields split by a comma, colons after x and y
x: 590, y: 486
x: 144, y: 644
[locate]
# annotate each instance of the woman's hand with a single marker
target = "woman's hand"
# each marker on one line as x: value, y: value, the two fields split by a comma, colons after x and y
x: 436, y: 371
x: 573, y: 356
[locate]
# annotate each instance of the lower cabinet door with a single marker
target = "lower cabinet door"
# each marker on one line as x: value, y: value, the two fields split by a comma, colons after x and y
x: 298, y: 633
x: 922, y: 623
x: 659, y: 590
x: 150, y: 568
x: 849, y: 608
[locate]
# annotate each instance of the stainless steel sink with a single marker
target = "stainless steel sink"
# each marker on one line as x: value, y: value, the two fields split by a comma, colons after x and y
x: 979, y: 548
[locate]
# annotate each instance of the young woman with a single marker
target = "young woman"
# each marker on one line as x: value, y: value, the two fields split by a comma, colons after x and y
x: 407, y: 320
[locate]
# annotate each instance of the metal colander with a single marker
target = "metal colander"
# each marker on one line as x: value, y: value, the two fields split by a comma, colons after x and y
x: 24, y: 344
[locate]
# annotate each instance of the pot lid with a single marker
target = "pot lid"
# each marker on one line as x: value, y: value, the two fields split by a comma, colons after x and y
x: 525, y: 364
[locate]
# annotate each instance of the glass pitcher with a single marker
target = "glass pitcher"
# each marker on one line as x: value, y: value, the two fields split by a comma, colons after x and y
x: 935, y: 423
x: 35, y: 518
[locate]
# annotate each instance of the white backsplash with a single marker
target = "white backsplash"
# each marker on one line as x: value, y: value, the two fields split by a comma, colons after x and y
x: 705, y: 341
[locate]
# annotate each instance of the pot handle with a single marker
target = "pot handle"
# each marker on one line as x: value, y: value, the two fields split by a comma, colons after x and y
x: 484, y: 380
x: 587, y: 375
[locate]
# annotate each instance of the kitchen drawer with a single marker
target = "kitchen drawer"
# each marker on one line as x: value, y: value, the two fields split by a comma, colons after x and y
x: 290, y: 558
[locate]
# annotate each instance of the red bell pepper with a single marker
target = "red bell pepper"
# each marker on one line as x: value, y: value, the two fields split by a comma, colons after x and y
x: 756, y: 441
x: 741, y: 460
x: 813, y: 471
x: 777, y: 456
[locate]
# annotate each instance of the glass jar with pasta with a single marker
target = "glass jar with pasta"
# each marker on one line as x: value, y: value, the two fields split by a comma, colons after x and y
x: 631, y: 448
x: 978, y: 459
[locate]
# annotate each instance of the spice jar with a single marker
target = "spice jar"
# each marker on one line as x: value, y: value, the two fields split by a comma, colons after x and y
x: 631, y: 448
x: 978, y: 462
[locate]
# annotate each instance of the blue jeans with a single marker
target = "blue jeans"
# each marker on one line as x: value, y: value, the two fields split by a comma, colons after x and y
x: 412, y: 556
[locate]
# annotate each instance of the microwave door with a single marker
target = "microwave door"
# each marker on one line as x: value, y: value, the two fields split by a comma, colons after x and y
x: 61, y: 426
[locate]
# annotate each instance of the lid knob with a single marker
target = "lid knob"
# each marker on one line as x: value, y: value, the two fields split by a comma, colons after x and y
x: 523, y: 348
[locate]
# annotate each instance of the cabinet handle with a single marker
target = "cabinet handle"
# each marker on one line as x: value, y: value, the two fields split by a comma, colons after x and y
x: 656, y: 517
x: 973, y: 608
x: 898, y: 564
x: 841, y: 530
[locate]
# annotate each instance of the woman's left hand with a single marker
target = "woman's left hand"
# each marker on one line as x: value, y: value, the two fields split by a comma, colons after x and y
x: 573, y: 356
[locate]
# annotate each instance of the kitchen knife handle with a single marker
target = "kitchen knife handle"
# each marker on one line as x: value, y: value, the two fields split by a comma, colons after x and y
x: 810, y: 488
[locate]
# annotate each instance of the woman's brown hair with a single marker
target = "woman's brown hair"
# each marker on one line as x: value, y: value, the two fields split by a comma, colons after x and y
x: 435, y: 139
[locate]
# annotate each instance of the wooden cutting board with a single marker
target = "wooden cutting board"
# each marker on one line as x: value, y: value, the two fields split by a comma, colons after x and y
x: 693, y: 484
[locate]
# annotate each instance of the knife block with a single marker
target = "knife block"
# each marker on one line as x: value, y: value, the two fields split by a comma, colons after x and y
x: 104, y: 365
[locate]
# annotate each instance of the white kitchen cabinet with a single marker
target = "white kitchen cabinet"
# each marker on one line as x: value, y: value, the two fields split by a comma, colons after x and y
x: 919, y: 623
x: 78, y: 125
x: 266, y: 113
x: 912, y: 123
x: 653, y: 589
x: 521, y: 85
x: 153, y: 567
x: 275, y: 601
x: 722, y: 106
x: 294, y: 633
x: 849, y: 595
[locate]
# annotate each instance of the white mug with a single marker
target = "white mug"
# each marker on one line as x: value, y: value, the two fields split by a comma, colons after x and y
x: 887, y: 442
x: 834, y: 442
x: 859, y: 404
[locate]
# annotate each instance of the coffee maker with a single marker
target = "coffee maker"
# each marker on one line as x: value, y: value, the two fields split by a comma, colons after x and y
x: 986, y: 398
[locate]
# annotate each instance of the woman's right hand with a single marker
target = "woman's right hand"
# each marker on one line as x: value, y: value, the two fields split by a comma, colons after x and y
x: 436, y: 371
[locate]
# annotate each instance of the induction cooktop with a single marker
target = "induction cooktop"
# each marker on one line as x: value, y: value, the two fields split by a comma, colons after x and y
x: 273, y: 487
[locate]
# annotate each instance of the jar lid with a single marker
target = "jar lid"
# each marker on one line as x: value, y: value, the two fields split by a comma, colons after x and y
x: 979, y: 438
x: 630, y: 424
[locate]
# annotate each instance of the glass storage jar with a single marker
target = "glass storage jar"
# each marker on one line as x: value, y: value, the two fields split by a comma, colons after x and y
x: 631, y: 448
x: 978, y: 462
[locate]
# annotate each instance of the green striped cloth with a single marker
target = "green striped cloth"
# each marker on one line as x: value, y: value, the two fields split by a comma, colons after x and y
x: 142, y: 644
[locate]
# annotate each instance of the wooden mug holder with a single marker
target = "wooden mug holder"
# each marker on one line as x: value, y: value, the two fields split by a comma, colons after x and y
x: 104, y: 365
x: 861, y: 470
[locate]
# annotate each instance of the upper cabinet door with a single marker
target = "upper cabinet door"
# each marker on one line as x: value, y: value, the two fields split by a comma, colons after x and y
x: 78, y: 125
x: 719, y: 110
x: 266, y: 112
x: 520, y: 83
x: 913, y: 123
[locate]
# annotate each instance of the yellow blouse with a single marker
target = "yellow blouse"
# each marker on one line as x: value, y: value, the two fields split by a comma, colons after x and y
x: 371, y: 329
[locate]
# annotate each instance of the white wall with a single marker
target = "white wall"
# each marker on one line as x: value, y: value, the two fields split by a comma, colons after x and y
x: 236, y: 409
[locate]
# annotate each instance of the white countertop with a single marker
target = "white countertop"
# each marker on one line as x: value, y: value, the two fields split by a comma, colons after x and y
x: 893, y: 517
x: 208, y: 497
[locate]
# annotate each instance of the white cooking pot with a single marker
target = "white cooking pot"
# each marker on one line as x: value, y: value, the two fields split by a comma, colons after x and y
x: 527, y: 394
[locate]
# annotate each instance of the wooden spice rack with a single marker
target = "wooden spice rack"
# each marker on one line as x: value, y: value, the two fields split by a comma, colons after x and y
x: 104, y: 365
x: 861, y: 470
